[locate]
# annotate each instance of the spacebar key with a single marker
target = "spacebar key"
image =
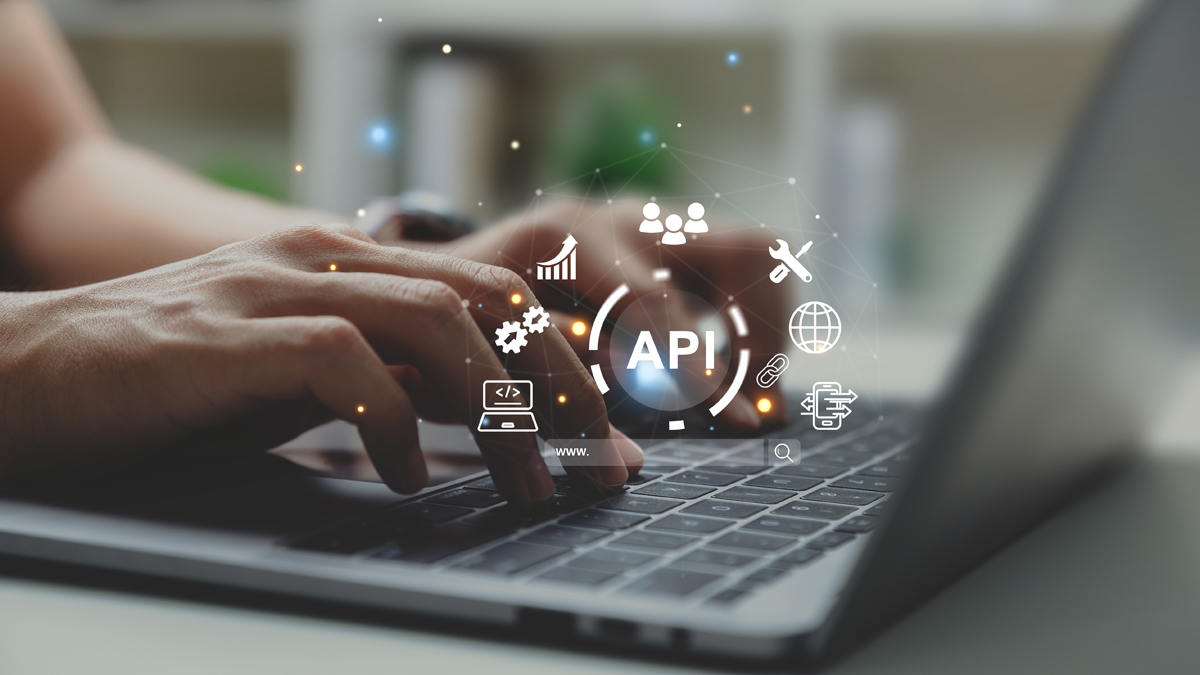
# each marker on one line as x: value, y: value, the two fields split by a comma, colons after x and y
x: 441, y: 543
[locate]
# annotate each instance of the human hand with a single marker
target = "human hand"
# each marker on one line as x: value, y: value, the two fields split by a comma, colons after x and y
x: 251, y: 344
x: 726, y: 262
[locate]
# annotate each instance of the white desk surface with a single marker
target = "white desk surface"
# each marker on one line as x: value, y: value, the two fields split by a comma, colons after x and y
x: 1110, y: 585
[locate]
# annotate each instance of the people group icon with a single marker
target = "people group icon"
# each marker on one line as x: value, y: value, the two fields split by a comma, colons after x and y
x: 675, y: 227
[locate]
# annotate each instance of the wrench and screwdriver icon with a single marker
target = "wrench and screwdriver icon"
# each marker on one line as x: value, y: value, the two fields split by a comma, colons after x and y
x: 790, y: 263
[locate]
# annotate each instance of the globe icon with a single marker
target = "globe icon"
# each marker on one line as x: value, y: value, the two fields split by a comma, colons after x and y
x: 815, y: 327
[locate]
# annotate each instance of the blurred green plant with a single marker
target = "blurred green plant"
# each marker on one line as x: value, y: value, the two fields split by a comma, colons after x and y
x: 243, y: 173
x: 615, y: 124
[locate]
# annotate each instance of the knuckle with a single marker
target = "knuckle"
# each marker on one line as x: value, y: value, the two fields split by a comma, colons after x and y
x: 304, y: 240
x: 498, y: 284
x: 435, y: 297
x: 331, y: 334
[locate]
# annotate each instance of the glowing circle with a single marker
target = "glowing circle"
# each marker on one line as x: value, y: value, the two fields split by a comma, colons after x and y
x: 579, y: 328
x: 764, y: 405
x: 516, y: 298
x: 446, y: 49
x: 515, y: 144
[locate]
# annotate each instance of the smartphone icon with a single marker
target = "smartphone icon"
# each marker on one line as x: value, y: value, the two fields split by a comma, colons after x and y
x: 827, y: 414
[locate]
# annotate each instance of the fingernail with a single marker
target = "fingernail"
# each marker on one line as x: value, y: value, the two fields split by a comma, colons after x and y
x: 630, y: 451
x: 418, y: 474
x: 539, y: 485
x: 742, y: 413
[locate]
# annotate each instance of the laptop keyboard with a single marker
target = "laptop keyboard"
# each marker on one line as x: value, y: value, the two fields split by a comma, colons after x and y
x: 701, y: 523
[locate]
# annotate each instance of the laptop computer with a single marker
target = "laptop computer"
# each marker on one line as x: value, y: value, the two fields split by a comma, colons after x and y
x: 507, y: 406
x: 708, y: 552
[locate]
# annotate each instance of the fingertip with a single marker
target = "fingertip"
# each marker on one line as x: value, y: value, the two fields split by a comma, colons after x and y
x: 630, y: 451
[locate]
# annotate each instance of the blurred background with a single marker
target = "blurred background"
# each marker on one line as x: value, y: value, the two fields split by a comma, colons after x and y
x: 922, y: 130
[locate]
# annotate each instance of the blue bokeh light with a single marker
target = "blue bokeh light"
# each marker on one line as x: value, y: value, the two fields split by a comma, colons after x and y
x: 381, y: 136
x: 733, y: 58
x: 646, y: 137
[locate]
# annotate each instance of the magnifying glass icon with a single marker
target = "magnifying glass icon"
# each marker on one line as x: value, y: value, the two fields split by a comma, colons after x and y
x: 784, y: 451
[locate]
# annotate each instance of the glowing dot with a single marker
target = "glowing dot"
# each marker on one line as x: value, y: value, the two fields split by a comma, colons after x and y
x: 708, y: 371
x: 732, y: 58
x: 332, y: 267
x: 446, y: 49
x: 480, y: 203
x: 362, y: 212
x: 579, y: 328
x: 466, y: 303
x: 468, y: 359
x: 362, y: 409
x: 764, y: 405
x: 516, y: 298
x: 717, y: 195
x: 538, y: 192
x: 562, y: 398
x: 647, y: 136
x: 663, y: 145
x: 747, y: 109
x: 818, y: 216
x: 679, y: 124
x: 380, y: 20
x: 380, y: 136
x: 792, y: 180
x: 299, y: 168
x: 515, y: 144
x: 610, y: 201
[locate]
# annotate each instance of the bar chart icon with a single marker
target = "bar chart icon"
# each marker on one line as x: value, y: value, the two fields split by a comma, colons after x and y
x: 561, y: 266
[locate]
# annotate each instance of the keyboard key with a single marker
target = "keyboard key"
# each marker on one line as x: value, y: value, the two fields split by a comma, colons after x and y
x: 641, y: 477
x: 796, y: 483
x: 813, y: 510
x: 718, y: 558
x: 740, y: 468
x: 712, y: 507
x: 655, y: 540
x: 671, y: 582
x: 606, y: 520
x: 558, y: 535
x: 511, y: 558
x: 796, y: 558
x: 752, y: 541
x: 842, y: 496
x: 485, y: 484
x: 611, y: 559
x: 754, y: 494
x: 886, y: 468
x: 764, y: 575
x: 872, y: 483
x: 858, y: 524
x: 676, y: 490
x: 441, y: 542
x: 348, y: 540
x: 703, y: 478
x: 430, y: 514
x: 829, y: 540
x: 638, y: 504
x: 690, y: 524
x: 560, y: 504
x: 811, y: 470
x: 797, y: 527
x: 577, y: 575
x: 475, y: 499
x: 880, y: 509
x: 728, y: 595
x: 510, y: 516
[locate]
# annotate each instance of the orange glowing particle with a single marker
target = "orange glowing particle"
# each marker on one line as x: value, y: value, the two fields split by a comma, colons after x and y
x: 562, y: 398
x: 299, y: 168
x: 362, y: 409
x: 516, y: 298
x: 579, y: 328
x: 708, y: 371
x: 764, y: 405
x: 332, y: 267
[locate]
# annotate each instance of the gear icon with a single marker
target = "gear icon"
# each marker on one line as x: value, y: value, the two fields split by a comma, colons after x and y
x: 511, y: 337
x: 542, y: 320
